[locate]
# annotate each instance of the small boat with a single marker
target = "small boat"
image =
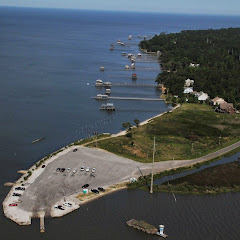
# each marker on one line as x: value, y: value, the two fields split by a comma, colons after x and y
x: 126, y: 66
x: 107, y: 91
x: 118, y: 41
x: 112, y: 48
x: 124, y: 53
x: 130, y: 37
x: 99, y: 83
x: 122, y: 44
x: 130, y: 55
x: 37, y: 140
x: 102, y: 96
x: 134, y: 76
x: 101, y: 68
x: 139, y: 55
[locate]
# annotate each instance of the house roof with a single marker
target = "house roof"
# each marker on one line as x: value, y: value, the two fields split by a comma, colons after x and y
x: 226, y: 106
x: 216, y: 99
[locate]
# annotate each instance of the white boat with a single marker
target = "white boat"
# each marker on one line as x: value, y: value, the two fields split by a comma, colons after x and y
x: 118, y: 41
x: 139, y: 54
x: 130, y: 37
x: 130, y: 55
x: 99, y: 82
x: 122, y: 44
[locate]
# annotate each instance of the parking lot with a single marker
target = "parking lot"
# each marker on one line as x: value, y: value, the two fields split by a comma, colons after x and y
x: 54, y: 184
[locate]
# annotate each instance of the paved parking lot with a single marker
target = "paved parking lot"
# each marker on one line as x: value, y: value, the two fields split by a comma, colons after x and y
x: 50, y: 186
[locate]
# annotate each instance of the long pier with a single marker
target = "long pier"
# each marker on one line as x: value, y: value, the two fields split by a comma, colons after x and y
x: 136, y: 98
x: 136, y: 85
x: 41, y: 216
x: 130, y: 98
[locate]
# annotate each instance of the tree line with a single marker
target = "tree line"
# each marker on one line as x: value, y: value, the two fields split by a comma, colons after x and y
x: 216, y: 51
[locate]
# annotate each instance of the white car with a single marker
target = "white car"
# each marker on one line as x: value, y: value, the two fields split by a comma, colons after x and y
x: 74, y: 170
x: 67, y: 204
x: 87, y: 169
x: 82, y: 168
x: 94, y: 170
x: 69, y: 169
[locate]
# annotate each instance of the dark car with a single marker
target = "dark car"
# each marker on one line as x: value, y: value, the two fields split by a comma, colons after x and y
x: 20, y: 188
x: 63, y: 169
x: 61, y: 208
x: 95, y: 191
x: 101, y: 189
x: 85, y: 186
x: 75, y: 149
x: 58, y: 170
x: 17, y: 194
x: 43, y: 166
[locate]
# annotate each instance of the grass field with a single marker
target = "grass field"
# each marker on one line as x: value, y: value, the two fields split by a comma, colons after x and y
x: 191, y: 131
x: 218, y: 179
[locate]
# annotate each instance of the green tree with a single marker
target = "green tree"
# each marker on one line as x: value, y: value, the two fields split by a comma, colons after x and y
x: 136, y: 121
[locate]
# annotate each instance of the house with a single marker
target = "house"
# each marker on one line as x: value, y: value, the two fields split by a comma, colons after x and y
x: 188, y: 90
x: 217, y: 101
x: 226, y: 108
x: 189, y: 83
x: 202, y: 96
x: 194, y: 65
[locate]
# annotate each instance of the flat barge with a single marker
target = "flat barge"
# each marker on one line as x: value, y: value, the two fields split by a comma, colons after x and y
x: 146, y: 227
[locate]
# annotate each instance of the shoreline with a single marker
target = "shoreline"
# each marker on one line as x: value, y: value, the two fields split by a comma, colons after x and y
x: 76, y: 199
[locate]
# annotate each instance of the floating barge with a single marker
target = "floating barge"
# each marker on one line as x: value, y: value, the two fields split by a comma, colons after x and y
x: 37, y: 140
x: 146, y: 227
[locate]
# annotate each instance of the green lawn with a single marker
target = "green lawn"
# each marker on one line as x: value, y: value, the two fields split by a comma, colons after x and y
x: 191, y: 131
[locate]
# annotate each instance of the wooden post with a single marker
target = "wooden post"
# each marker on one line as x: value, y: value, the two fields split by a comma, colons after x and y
x: 151, y: 188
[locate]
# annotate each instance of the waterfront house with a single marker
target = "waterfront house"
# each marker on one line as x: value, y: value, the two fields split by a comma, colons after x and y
x: 225, y: 108
x: 189, y: 83
x: 202, y: 96
x: 217, y: 101
x: 188, y: 90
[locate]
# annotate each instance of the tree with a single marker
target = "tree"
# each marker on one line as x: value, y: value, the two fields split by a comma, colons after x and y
x: 127, y: 125
x: 136, y: 121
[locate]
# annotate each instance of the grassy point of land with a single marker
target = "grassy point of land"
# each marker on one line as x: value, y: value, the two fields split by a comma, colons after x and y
x: 191, y: 131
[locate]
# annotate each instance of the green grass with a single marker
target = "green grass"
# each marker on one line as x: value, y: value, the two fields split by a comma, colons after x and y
x: 189, y: 132
x: 218, y: 179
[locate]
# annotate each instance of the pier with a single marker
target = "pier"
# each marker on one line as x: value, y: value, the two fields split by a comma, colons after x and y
x: 41, y: 216
x: 105, y: 97
x: 136, y: 85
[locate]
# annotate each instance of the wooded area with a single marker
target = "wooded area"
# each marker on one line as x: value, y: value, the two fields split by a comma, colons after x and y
x: 216, y: 51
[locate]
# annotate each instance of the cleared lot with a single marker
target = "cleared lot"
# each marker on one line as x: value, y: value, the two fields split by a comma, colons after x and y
x: 51, y: 186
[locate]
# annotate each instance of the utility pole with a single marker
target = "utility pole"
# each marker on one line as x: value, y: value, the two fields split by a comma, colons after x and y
x: 151, y: 188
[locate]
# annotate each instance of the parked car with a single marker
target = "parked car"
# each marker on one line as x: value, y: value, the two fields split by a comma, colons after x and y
x: 95, y: 191
x: 61, y: 207
x: 75, y: 149
x: 74, y: 170
x: 87, y: 169
x: 101, y: 189
x: 82, y: 168
x: 67, y: 204
x: 69, y: 169
x: 20, y: 188
x: 94, y: 170
x: 17, y: 194
x: 85, y: 186
x: 63, y: 169
x: 12, y: 205
x: 43, y: 166
x: 58, y: 169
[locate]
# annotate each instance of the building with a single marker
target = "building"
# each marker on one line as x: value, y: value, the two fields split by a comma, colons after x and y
x: 202, y: 96
x: 226, y: 108
x: 217, y: 101
x: 189, y: 83
x: 194, y: 65
x: 188, y: 90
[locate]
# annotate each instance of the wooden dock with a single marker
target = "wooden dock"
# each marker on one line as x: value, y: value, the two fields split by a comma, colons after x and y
x: 135, y: 98
x: 136, y: 85
x: 41, y: 216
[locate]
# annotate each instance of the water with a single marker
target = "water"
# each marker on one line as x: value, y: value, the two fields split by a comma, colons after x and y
x: 47, y: 57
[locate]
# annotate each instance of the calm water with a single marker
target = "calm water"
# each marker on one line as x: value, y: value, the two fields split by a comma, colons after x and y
x: 49, y: 61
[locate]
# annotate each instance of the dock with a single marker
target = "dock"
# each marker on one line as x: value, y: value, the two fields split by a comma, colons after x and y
x: 136, y: 85
x: 105, y: 97
x: 41, y: 216
x: 147, y: 228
